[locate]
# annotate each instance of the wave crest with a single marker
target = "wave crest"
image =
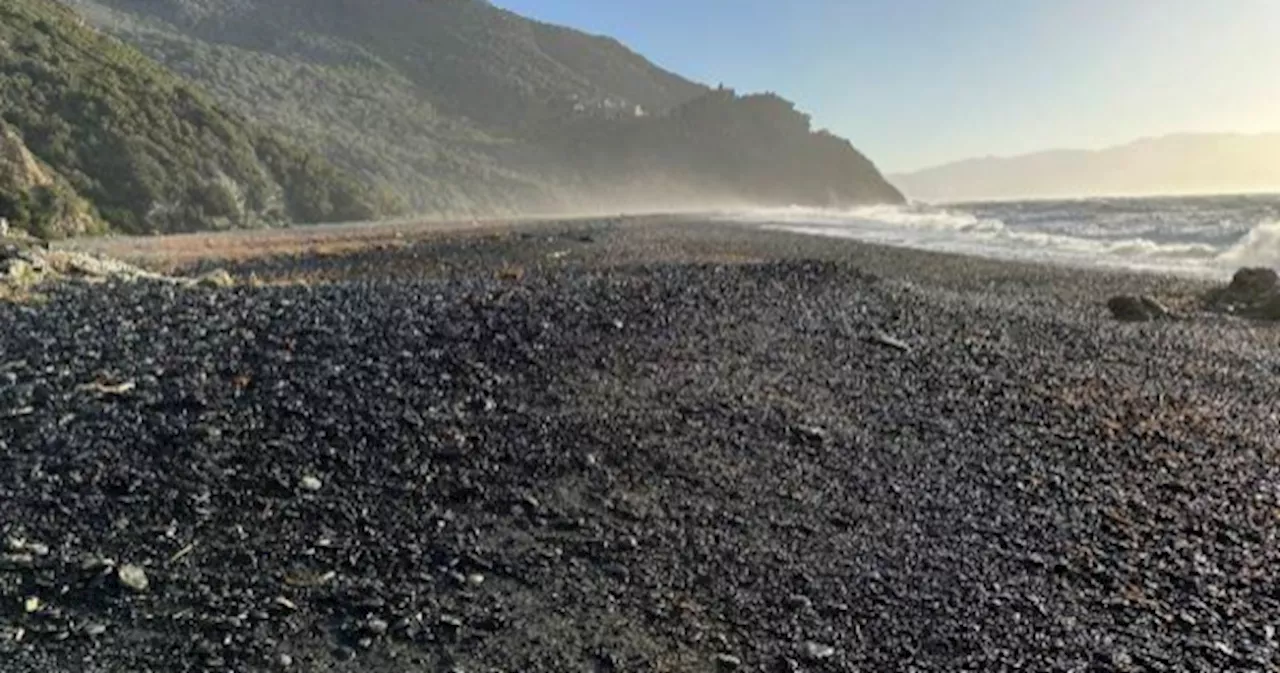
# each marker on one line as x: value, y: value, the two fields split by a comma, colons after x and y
x: 1259, y: 247
x: 960, y: 231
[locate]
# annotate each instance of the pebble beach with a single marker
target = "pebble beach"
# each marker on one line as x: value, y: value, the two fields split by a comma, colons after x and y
x: 650, y: 444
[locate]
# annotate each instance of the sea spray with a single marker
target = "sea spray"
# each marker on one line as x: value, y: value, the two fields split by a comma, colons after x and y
x: 1202, y: 237
x: 1259, y: 247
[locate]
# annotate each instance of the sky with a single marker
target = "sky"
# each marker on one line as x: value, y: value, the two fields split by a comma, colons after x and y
x: 914, y: 83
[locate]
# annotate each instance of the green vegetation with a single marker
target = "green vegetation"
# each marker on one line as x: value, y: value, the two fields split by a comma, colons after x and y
x: 36, y: 201
x: 47, y: 212
x: 152, y: 153
x: 462, y: 108
x: 428, y: 99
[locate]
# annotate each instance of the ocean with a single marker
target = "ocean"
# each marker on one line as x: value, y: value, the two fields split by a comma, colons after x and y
x: 1206, y: 236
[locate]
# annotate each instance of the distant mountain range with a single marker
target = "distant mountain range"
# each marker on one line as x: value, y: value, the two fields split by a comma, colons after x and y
x: 1204, y: 163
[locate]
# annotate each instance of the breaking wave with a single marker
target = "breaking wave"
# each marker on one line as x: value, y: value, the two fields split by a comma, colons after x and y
x: 1259, y: 247
x: 1157, y: 236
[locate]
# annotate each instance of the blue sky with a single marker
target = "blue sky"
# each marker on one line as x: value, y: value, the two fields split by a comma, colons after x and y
x: 919, y: 82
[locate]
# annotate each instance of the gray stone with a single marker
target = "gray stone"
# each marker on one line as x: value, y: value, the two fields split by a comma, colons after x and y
x: 799, y: 602
x: 817, y: 651
x: 728, y: 662
x: 1252, y: 282
x: 17, y: 561
x: 882, y: 339
x: 1128, y: 308
x: 451, y: 621
x: 376, y: 627
x: 133, y: 578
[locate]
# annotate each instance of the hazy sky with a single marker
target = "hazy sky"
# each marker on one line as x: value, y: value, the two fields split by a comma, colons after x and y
x: 919, y: 82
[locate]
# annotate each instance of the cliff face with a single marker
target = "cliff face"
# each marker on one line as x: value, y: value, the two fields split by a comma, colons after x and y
x: 35, y: 201
x: 752, y: 150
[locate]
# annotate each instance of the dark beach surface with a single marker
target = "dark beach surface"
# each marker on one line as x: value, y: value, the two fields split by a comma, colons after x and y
x: 634, y: 445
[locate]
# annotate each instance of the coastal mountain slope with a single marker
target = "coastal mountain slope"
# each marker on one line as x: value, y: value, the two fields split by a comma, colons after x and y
x: 33, y: 199
x: 726, y: 149
x: 461, y: 107
x: 1177, y: 164
x: 150, y: 152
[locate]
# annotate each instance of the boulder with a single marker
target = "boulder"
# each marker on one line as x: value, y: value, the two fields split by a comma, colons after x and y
x: 1253, y: 293
x: 1129, y: 308
x: 1268, y: 309
x: 1254, y: 283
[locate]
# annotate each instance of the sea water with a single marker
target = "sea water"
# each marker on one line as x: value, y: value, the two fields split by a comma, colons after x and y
x: 1201, y: 236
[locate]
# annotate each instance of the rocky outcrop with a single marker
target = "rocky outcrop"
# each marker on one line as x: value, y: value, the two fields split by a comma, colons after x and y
x: 755, y: 149
x: 18, y: 168
x: 33, y: 199
x: 27, y: 264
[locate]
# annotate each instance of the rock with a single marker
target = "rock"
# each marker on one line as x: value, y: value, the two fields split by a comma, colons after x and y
x: 882, y: 339
x: 1128, y: 308
x: 817, y: 651
x: 218, y: 278
x: 284, y: 661
x: 376, y: 627
x: 1253, y: 293
x: 18, y: 545
x: 1268, y: 309
x: 133, y: 578
x: 310, y: 483
x: 727, y: 662
x: 1155, y: 308
x: 451, y: 622
x: 799, y: 602
x: 95, y: 630
x: 307, y: 579
x: 17, y: 561
x: 1254, y: 283
x: 810, y: 433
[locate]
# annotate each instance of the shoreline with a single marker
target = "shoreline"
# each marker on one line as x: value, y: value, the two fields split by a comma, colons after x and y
x: 175, y: 251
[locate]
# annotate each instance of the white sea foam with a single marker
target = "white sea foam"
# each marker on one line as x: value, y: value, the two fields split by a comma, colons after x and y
x: 1259, y: 247
x: 1179, y: 247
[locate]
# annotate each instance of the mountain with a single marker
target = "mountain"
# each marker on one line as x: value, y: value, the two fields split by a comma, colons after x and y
x: 150, y: 152
x: 722, y: 148
x: 1177, y: 164
x: 461, y: 107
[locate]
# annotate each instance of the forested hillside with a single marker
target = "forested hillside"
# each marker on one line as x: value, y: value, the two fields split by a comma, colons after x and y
x: 464, y: 108
x: 150, y: 152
